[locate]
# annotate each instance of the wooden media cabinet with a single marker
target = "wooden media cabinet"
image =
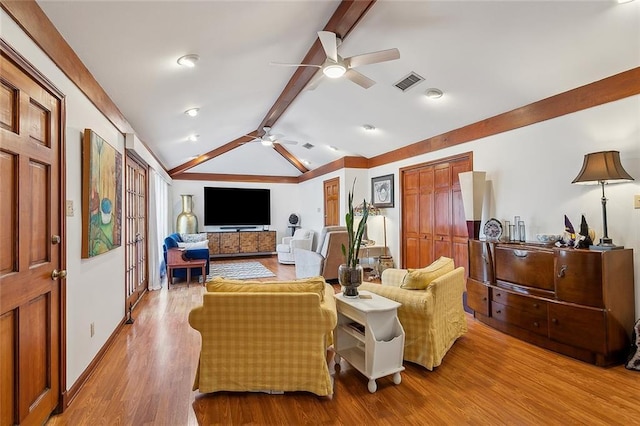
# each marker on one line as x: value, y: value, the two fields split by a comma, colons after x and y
x: 241, y: 243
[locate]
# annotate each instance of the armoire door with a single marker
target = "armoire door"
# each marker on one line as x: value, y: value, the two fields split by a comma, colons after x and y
x: 31, y: 254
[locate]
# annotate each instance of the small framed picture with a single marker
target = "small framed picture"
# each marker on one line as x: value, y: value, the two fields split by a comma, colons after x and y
x: 382, y: 191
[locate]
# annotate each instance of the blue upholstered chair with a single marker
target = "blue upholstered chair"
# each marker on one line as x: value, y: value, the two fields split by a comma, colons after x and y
x: 200, y: 253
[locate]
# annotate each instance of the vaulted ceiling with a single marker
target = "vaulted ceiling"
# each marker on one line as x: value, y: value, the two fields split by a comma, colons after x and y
x: 487, y: 57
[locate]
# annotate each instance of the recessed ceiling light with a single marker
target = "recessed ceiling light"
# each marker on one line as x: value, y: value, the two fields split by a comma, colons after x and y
x: 193, y: 138
x: 433, y: 93
x: 305, y: 162
x: 368, y: 127
x: 192, y: 112
x: 188, y: 60
x: 334, y: 70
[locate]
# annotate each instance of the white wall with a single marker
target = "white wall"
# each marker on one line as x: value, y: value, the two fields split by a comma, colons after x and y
x: 529, y: 173
x: 284, y: 201
x: 95, y: 287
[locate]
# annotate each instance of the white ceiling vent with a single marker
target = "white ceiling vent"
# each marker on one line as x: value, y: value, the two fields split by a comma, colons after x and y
x: 409, y: 81
x: 308, y: 145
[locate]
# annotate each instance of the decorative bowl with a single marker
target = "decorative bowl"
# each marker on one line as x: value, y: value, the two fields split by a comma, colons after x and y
x: 548, y: 238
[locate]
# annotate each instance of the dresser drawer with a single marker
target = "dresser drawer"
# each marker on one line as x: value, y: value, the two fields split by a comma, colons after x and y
x: 525, y: 266
x: 523, y: 303
x: 478, y: 296
x: 575, y: 326
x: 532, y: 321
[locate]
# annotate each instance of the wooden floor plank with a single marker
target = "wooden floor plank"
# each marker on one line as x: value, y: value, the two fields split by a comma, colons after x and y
x: 486, y: 378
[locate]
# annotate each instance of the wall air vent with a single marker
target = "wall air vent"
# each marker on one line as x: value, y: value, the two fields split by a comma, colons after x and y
x: 409, y: 81
x: 308, y: 145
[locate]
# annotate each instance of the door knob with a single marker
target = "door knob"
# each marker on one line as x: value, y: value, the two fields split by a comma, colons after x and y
x: 55, y: 274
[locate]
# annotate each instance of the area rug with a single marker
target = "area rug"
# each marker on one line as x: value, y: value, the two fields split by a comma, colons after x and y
x: 239, y: 271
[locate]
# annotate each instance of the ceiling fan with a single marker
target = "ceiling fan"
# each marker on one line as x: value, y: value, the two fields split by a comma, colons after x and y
x: 267, y: 139
x: 336, y: 66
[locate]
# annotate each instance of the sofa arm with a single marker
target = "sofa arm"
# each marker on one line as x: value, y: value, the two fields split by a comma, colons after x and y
x: 301, y: 244
x: 308, y: 263
x: 393, y: 277
x: 286, y: 240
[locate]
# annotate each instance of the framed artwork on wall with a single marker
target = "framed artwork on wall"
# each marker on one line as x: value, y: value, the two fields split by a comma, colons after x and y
x: 382, y: 191
x: 101, y: 195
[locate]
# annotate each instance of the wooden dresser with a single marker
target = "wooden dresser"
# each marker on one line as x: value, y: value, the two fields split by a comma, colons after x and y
x: 576, y: 302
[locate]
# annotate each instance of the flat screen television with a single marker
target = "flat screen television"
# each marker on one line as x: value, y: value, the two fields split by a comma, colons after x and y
x: 237, y: 207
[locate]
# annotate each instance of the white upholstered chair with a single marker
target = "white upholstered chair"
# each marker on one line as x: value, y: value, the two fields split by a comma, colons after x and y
x: 324, y: 261
x: 302, y: 238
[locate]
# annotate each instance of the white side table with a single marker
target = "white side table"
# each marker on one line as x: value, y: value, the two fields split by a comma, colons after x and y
x: 369, y: 336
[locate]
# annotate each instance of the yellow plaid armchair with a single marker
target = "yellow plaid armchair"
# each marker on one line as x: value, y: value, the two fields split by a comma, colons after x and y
x: 265, y: 336
x: 432, y: 318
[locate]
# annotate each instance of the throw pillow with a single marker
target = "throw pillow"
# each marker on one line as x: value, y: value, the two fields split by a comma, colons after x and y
x: 419, y: 279
x: 633, y: 363
x: 197, y: 245
x: 194, y: 238
x: 304, y: 285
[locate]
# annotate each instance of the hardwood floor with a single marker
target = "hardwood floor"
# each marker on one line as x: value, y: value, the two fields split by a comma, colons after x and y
x: 486, y: 378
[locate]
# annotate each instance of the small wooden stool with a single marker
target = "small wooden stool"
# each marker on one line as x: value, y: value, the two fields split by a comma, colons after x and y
x: 176, y: 261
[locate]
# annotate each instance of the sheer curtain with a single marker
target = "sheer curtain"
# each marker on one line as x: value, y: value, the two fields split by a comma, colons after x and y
x: 158, y: 228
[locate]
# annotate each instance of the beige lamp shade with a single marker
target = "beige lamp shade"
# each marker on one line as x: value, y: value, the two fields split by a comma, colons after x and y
x: 472, y: 186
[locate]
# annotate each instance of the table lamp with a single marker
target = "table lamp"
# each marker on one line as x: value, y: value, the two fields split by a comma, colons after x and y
x: 602, y: 167
x: 472, y: 186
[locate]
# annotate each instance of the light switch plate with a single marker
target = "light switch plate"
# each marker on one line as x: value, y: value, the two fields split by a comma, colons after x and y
x: 636, y: 201
x: 70, y: 208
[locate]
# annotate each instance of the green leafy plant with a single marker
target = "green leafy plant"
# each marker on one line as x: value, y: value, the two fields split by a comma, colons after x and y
x: 354, y: 238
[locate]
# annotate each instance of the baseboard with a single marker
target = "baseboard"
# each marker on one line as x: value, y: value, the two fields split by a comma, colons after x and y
x: 69, y: 395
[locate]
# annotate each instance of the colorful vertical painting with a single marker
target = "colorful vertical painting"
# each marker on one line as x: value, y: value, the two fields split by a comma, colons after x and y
x: 101, y: 196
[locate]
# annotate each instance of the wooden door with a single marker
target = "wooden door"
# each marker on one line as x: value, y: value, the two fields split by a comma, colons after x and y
x: 332, y: 202
x: 31, y: 253
x: 433, y: 223
x: 136, y: 277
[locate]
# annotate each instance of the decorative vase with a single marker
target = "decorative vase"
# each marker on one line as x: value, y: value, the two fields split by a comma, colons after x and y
x: 350, y: 279
x: 187, y: 222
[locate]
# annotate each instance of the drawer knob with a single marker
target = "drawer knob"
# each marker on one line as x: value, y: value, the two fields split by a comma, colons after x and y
x: 498, y: 294
x: 520, y: 253
x: 498, y: 311
x: 535, y: 305
x: 484, y: 299
x: 554, y: 320
x: 535, y: 324
x: 563, y: 268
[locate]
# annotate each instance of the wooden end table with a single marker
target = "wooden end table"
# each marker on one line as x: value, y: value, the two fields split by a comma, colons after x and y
x: 369, y: 336
x: 175, y: 260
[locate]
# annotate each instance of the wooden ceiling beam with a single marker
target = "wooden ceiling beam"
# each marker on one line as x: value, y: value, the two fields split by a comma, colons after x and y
x: 290, y: 158
x: 212, y: 154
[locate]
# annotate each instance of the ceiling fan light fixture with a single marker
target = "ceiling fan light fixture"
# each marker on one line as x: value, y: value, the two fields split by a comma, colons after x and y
x: 369, y: 127
x: 266, y: 142
x: 334, y: 70
x: 188, y: 61
x: 433, y: 93
x: 192, y: 112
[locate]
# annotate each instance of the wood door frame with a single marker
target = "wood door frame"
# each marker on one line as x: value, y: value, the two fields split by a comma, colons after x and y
x: 401, y: 171
x: 131, y: 155
x: 29, y: 69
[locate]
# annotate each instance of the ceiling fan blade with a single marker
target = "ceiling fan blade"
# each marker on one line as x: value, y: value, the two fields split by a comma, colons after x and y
x: 315, y: 81
x: 372, y: 58
x: 329, y: 44
x: 359, y: 79
x: 286, y: 142
x: 280, y: 64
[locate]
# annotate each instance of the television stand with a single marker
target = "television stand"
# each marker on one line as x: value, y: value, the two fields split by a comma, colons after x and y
x: 249, y: 243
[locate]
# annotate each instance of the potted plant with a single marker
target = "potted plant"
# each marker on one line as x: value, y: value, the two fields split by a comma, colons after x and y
x: 350, y: 273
